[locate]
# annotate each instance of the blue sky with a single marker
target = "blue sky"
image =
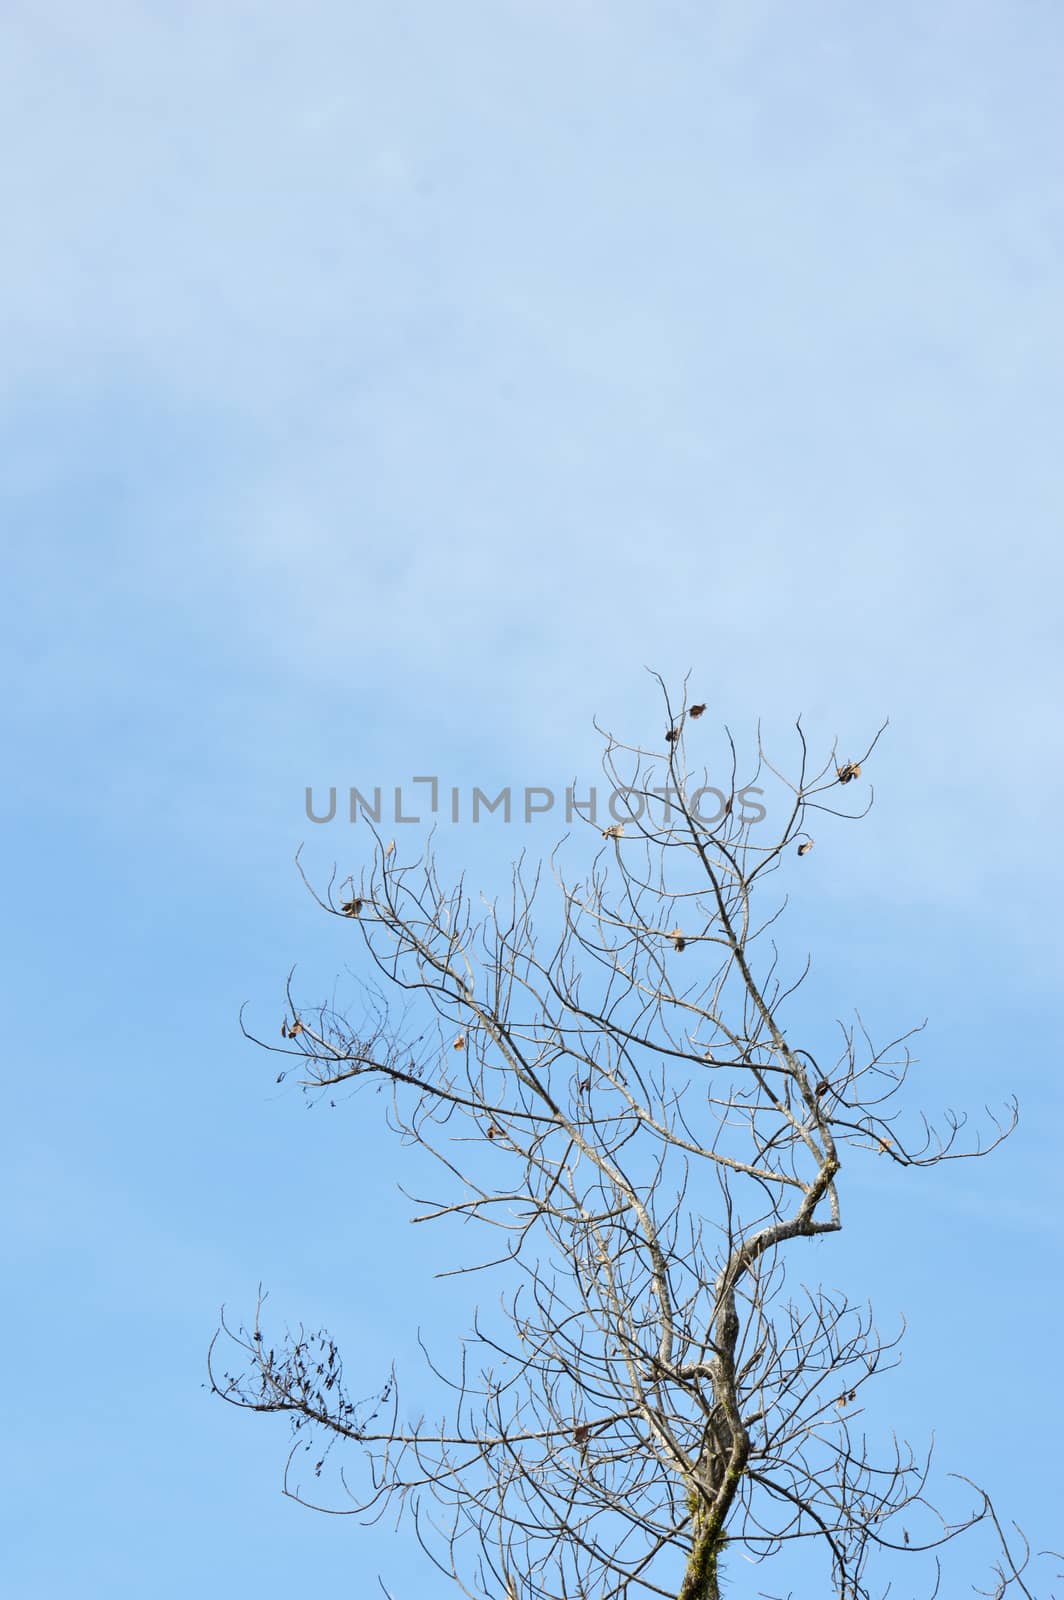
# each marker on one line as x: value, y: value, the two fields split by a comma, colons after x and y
x: 384, y: 387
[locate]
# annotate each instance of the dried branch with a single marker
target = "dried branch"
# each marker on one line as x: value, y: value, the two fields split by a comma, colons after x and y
x: 658, y: 1146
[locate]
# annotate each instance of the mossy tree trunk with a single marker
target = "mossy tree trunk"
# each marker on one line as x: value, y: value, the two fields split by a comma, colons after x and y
x: 700, y: 1581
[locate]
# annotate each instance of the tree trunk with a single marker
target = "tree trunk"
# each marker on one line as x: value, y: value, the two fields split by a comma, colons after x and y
x: 700, y: 1579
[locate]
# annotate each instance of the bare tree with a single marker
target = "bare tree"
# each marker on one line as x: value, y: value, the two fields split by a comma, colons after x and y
x: 620, y: 1103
